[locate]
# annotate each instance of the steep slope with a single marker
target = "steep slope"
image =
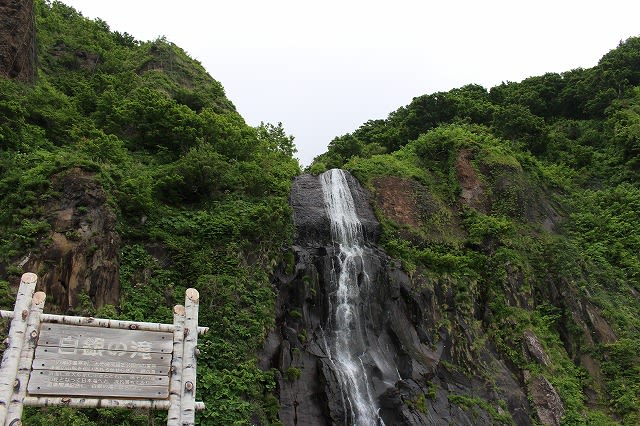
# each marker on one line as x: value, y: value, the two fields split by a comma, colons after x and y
x: 395, y: 332
x: 515, y: 213
x: 126, y: 176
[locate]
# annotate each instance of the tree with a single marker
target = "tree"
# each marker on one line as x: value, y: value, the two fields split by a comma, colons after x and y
x: 274, y: 138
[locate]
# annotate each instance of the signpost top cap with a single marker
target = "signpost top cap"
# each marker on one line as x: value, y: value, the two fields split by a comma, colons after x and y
x: 193, y: 295
x: 29, y: 277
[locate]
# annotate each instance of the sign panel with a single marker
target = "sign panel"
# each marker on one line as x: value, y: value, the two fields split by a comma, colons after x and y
x: 96, y: 341
x: 74, y: 383
x: 75, y: 360
x: 48, y: 358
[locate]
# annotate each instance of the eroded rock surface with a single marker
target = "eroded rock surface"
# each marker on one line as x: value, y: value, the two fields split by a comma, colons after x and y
x: 17, y: 40
x: 403, y: 322
x: 547, y: 402
x: 81, y: 254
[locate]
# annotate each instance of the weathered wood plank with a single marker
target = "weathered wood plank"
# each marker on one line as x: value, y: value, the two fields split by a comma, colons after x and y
x: 91, y: 341
x: 48, y: 358
x: 76, y: 383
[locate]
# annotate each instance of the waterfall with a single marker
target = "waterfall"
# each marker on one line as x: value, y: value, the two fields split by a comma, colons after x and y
x: 348, y: 340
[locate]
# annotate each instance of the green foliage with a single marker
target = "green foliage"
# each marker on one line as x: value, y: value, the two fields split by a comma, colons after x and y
x: 201, y: 198
x: 470, y: 403
x: 292, y: 374
x: 553, y: 164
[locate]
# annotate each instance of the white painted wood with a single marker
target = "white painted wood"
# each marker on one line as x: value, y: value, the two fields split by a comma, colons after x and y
x: 175, y: 387
x: 47, y: 401
x: 10, y: 359
x: 188, y: 399
x: 60, y: 376
x: 104, y: 322
x: 109, y: 385
x: 24, y: 366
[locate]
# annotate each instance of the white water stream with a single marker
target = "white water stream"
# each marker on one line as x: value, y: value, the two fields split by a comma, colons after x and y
x: 348, y: 342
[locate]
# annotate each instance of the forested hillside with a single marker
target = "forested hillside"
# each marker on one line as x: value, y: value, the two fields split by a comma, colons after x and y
x: 520, y: 206
x: 127, y: 176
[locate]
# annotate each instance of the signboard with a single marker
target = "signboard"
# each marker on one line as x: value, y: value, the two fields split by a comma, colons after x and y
x: 89, y: 361
x: 98, y: 362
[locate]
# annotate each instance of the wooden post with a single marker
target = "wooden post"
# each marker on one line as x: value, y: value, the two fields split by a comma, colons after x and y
x: 175, y: 385
x: 11, y: 357
x: 26, y: 358
x: 188, y: 399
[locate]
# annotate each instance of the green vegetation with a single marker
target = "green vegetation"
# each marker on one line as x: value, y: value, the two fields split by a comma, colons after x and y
x: 528, y: 205
x: 499, y: 414
x: 527, y: 212
x: 201, y: 197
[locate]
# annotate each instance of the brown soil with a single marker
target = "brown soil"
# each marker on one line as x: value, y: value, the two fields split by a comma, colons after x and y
x: 395, y: 197
x: 473, y: 189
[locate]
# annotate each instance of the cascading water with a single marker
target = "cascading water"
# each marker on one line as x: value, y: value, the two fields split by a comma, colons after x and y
x: 348, y: 340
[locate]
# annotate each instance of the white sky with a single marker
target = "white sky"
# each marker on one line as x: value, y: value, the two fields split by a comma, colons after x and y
x: 323, y: 68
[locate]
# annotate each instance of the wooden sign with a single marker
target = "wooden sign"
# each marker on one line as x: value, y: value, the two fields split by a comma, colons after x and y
x: 98, y: 362
x: 93, y: 361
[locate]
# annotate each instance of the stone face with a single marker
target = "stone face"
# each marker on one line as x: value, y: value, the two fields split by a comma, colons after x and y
x: 401, y: 326
x: 82, y: 255
x: 17, y: 40
x: 547, y: 402
x: 534, y: 348
x: 473, y: 191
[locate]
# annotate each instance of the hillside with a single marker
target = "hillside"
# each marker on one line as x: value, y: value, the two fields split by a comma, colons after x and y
x: 127, y: 176
x: 515, y: 211
x: 509, y: 219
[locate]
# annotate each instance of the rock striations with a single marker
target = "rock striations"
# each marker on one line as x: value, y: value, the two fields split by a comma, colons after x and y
x: 401, y: 327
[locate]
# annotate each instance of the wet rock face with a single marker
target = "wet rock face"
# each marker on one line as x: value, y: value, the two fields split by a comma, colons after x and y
x: 313, y: 228
x: 81, y: 255
x: 401, y: 325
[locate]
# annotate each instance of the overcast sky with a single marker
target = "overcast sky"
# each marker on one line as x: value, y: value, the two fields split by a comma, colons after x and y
x: 323, y: 68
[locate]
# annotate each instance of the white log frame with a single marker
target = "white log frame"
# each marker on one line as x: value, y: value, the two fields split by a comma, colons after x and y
x: 105, y: 322
x: 175, y: 385
x: 26, y: 358
x: 187, y: 403
x: 80, y: 402
x: 18, y: 357
x: 11, y: 357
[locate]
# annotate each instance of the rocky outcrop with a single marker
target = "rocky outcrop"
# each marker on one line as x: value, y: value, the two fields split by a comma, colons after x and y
x: 473, y: 190
x: 403, y: 323
x: 17, y: 40
x: 546, y: 401
x: 81, y: 254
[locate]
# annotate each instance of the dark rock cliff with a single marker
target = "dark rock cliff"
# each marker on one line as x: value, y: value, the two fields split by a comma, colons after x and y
x: 403, y: 321
x: 17, y: 40
x: 80, y: 256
